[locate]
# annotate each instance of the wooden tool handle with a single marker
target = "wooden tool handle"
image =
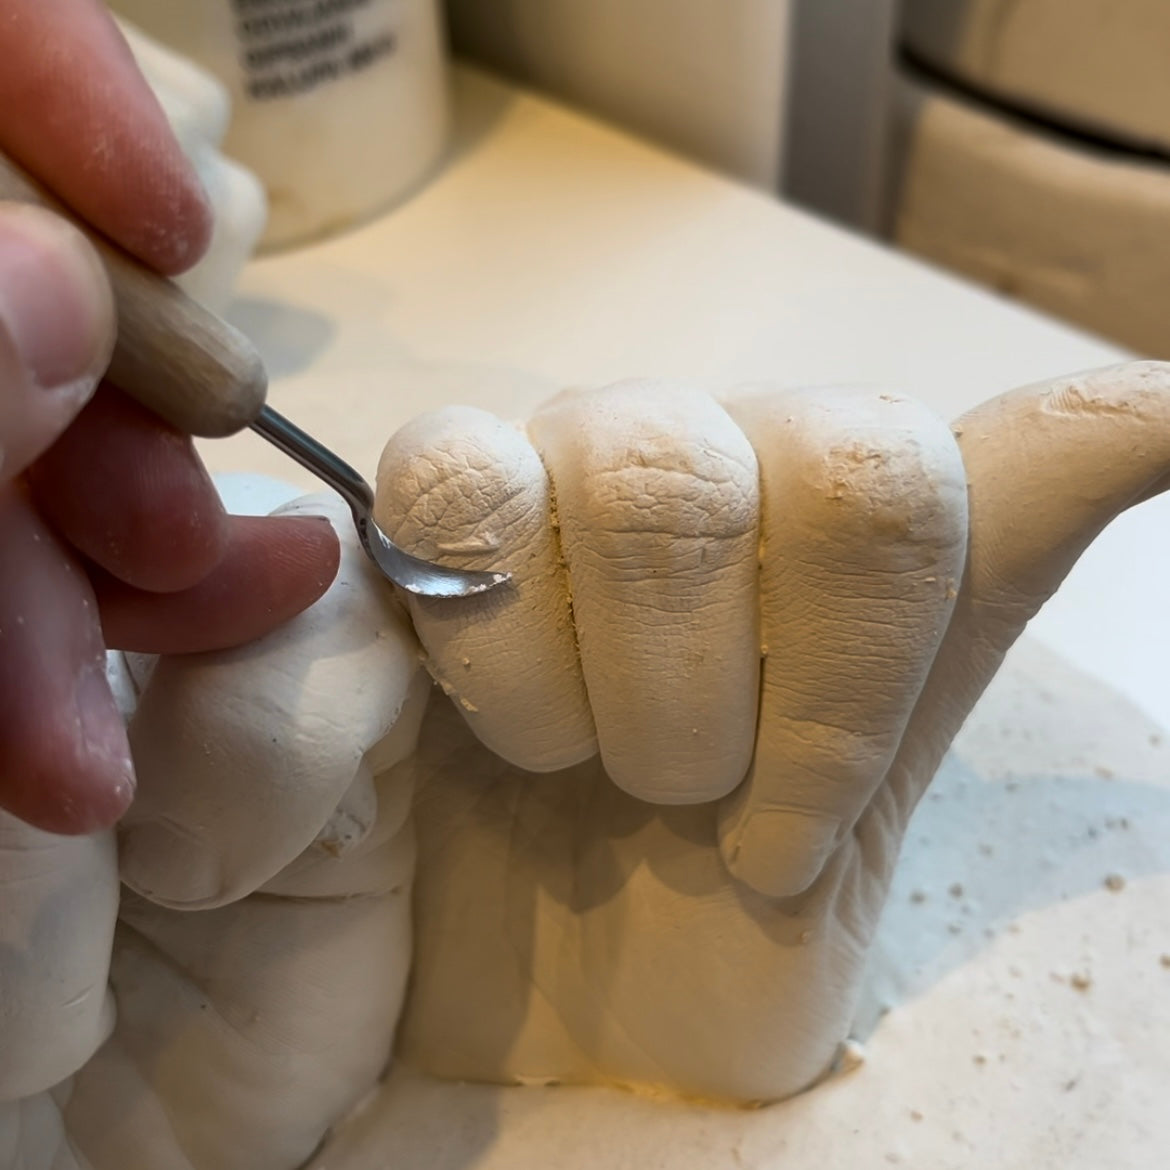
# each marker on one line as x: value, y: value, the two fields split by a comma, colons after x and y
x: 172, y: 355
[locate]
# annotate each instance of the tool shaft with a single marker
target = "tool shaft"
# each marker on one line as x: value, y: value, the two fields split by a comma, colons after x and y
x: 172, y: 355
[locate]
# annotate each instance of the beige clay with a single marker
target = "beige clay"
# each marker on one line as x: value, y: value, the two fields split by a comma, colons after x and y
x: 697, y: 927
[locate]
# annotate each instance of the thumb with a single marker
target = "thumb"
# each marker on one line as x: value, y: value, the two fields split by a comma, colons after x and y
x: 1048, y: 467
x: 246, y: 757
x: 56, y: 330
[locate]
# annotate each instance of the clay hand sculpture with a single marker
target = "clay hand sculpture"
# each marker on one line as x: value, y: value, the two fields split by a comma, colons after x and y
x: 650, y: 830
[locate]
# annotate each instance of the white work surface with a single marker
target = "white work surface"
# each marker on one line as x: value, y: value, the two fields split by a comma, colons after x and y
x: 551, y: 251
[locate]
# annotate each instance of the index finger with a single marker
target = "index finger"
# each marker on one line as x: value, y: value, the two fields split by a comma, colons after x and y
x: 77, y: 114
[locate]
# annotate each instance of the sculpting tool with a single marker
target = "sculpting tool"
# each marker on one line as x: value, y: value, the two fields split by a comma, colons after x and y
x: 205, y: 378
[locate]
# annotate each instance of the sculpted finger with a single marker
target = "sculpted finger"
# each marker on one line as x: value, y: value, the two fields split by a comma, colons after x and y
x: 243, y: 755
x: 56, y: 331
x: 657, y: 496
x: 864, y: 533
x: 1049, y: 466
x: 58, y: 905
x: 64, y: 759
x: 465, y: 489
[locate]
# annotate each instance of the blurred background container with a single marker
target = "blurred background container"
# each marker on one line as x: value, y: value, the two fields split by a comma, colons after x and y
x: 1022, y: 143
x: 338, y: 106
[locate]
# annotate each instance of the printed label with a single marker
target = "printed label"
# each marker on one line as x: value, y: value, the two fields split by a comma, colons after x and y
x: 292, y: 46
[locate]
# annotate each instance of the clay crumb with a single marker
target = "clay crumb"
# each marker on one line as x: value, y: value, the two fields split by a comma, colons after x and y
x: 1103, y: 773
x: 1165, y: 961
x: 955, y: 889
x: 805, y: 937
x: 979, y: 1059
x: 915, y: 1115
x: 1114, y: 882
x: 917, y: 897
x: 1080, y: 981
x: 467, y: 662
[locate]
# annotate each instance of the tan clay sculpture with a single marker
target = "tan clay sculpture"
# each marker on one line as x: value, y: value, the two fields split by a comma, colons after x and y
x: 648, y: 836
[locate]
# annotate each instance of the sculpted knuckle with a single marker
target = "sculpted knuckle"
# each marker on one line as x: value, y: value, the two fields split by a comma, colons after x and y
x: 899, y: 486
x: 682, y: 493
x: 835, y: 756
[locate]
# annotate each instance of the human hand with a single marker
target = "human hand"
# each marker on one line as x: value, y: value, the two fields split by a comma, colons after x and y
x: 110, y: 529
x: 566, y: 928
x: 263, y: 937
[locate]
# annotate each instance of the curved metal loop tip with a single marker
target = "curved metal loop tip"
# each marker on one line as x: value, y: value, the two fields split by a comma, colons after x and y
x: 409, y: 572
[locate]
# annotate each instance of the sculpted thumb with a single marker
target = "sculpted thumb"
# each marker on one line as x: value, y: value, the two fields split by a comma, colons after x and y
x: 1048, y: 467
x: 247, y: 757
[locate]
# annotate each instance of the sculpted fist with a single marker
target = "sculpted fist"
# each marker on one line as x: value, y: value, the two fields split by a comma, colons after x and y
x: 657, y: 826
x: 655, y: 819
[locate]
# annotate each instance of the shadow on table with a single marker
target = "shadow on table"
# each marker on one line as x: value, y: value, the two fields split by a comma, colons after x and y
x: 979, y: 854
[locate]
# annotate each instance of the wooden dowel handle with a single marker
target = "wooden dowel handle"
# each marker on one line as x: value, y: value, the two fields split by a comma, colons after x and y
x: 172, y: 355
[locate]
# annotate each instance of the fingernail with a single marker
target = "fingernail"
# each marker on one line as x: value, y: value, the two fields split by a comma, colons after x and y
x: 779, y: 852
x: 56, y: 307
